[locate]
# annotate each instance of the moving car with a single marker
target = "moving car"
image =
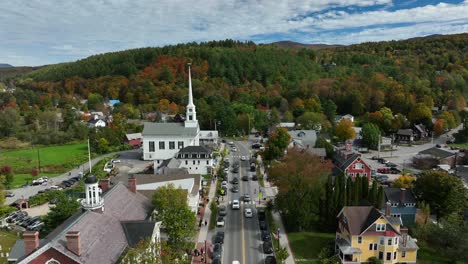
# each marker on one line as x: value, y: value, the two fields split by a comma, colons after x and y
x: 270, y: 260
x: 248, y: 213
x: 254, y: 177
x: 261, y: 214
x: 235, y: 170
x: 244, y: 158
x: 235, y: 204
x: 267, y: 248
x: 235, y: 180
x: 235, y: 189
x: 245, y: 178
x: 220, y: 221
x: 246, y: 197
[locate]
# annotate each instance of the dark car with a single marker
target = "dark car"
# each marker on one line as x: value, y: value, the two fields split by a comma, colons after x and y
x: 222, y: 210
x: 254, y: 177
x: 217, y: 261
x: 261, y: 214
x: 235, y: 170
x: 267, y: 248
x: 253, y: 167
x: 270, y: 260
x: 219, y: 237
x: 235, y: 180
x: 217, y: 250
x: 235, y: 189
x: 266, y: 236
x: 375, y: 158
x: 263, y: 225
x: 245, y: 178
x: 395, y: 171
x: 391, y: 165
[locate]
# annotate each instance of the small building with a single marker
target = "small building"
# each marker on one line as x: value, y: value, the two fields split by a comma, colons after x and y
x: 287, y: 125
x: 196, y: 159
x: 443, y: 156
x: 95, y: 123
x: 385, y: 143
x: 364, y: 232
x: 338, y: 118
x: 420, y: 132
x: 404, y: 136
x: 350, y: 163
x: 303, y: 138
x: 209, y: 137
x: 134, y: 139
x: 403, y: 204
x: 461, y: 172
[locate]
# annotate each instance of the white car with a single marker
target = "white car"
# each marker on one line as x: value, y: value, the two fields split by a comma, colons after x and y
x: 234, y: 149
x: 235, y: 204
x: 226, y: 170
x: 244, y: 158
x: 224, y: 183
x: 248, y: 213
x: 55, y: 187
x: 220, y: 221
x: 116, y: 161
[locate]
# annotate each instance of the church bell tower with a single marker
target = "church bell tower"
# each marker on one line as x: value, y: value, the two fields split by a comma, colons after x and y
x: 191, y: 115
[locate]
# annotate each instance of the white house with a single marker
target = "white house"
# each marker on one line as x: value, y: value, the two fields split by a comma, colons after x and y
x: 96, y: 123
x: 196, y: 159
x: 347, y: 116
x: 162, y: 141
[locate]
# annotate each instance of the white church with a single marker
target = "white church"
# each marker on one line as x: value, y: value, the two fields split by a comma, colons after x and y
x: 164, y: 141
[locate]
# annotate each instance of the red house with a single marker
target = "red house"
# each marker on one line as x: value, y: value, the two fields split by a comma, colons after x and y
x: 350, y: 163
x: 134, y: 139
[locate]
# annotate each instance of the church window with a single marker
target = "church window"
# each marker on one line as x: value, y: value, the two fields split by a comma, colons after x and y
x: 162, y: 145
x: 186, y: 162
x: 52, y: 261
x: 190, y: 110
x: 207, y: 162
x: 193, y: 162
x: 190, y: 117
x: 171, y: 145
x: 180, y: 144
x: 194, y: 155
x: 198, y: 162
x: 151, y: 146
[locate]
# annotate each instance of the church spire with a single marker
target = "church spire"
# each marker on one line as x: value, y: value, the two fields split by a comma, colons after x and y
x: 191, y: 116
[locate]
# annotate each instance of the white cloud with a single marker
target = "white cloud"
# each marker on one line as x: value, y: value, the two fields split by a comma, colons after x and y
x: 55, y: 30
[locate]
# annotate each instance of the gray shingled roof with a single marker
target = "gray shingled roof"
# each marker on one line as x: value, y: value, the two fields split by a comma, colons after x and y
x: 360, y: 217
x: 393, y: 195
x: 17, y: 251
x: 405, y: 132
x: 195, y: 149
x: 168, y: 129
x: 437, y: 153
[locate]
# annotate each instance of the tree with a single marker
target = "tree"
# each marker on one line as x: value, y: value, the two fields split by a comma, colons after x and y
x: 277, y: 144
x: 155, y: 252
x: 9, y: 122
x: 311, y: 120
x: 404, y: 181
x: 329, y: 109
x: 95, y: 101
x: 64, y: 208
x: 439, y: 127
x: 323, y: 143
x: 420, y: 113
x: 8, y: 175
x: 177, y: 218
x: 444, y: 193
x: 450, y: 238
x: 299, y: 189
x: 344, y: 130
x: 370, y: 135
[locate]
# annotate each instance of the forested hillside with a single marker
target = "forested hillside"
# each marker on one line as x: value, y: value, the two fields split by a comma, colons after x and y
x: 236, y: 81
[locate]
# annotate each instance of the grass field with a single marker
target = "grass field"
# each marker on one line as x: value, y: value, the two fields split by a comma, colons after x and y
x: 307, y: 245
x: 7, y: 240
x: 428, y: 255
x: 54, y: 160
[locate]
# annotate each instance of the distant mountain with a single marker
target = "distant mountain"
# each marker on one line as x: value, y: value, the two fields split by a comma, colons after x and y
x: 296, y: 45
x: 4, y: 65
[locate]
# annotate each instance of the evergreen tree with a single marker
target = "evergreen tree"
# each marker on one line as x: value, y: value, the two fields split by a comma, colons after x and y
x: 349, y: 192
x: 365, y: 187
x: 380, y: 194
x: 373, y: 193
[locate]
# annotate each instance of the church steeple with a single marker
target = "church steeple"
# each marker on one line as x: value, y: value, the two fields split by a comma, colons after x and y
x: 191, y: 116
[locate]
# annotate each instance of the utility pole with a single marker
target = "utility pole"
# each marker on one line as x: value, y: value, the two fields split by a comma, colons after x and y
x: 205, y: 252
x: 38, y: 160
x: 378, y: 147
x: 89, y: 157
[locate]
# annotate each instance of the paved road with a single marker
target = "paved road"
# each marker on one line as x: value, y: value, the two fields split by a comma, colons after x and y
x: 29, y: 191
x: 242, y: 241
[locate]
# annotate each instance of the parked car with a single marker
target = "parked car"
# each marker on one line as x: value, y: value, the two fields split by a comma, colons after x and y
x: 270, y: 260
x: 263, y: 225
x: 248, y: 213
x: 235, y: 180
x: 222, y: 210
x: 9, y: 194
x: 375, y: 158
x: 235, y: 204
x: 253, y: 167
x: 266, y: 236
x: 36, y: 227
x: 219, y: 237
x: 261, y: 214
x: 235, y: 170
x: 245, y: 178
x: 395, y: 171
x: 116, y: 161
x: 391, y: 165
x: 254, y: 177
x: 383, y: 170
x: 220, y: 221
x: 226, y: 170
x: 267, y: 248
x: 217, y: 250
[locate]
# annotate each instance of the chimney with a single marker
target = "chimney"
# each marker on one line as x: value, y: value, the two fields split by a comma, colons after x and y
x: 73, y: 242
x: 404, y: 235
x: 348, y: 146
x: 132, y: 184
x: 402, y: 196
x: 104, y: 184
x: 388, y: 206
x: 31, y: 241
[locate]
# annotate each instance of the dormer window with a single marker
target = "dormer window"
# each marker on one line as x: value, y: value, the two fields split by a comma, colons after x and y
x: 380, y: 227
x: 394, y: 204
x: 358, y: 166
x: 410, y: 204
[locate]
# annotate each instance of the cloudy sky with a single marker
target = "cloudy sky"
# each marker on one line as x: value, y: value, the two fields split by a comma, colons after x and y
x: 37, y: 32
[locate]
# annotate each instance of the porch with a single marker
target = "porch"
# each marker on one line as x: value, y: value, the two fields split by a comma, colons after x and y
x: 346, y: 253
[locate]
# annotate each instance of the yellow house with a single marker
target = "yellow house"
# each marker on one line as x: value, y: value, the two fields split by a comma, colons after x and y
x: 365, y: 232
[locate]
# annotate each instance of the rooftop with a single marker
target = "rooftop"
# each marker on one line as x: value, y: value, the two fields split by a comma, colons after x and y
x: 151, y: 181
x: 437, y: 153
x: 168, y: 129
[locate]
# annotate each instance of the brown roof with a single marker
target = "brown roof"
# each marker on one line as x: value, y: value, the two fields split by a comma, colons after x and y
x: 359, y: 218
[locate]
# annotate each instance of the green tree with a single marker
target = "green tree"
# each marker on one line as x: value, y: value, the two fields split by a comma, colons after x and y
x: 277, y: 144
x: 323, y: 143
x: 420, y: 113
x: 370, y: 135
x: 444, y: 193
x: 329, y: 109
x: 64, y: 208
x: 177, y: 218
x: 311, y: 120
x: 155, y: 252
x: 7, y: 175
x: 10, y: 120
x: 95, y: 101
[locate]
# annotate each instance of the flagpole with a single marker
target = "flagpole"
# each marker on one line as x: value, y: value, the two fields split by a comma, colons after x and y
x: 89, y: 157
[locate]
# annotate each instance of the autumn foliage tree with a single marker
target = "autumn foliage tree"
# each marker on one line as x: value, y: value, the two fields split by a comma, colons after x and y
x: 277, y: 144
x: 439, y: 127
x: 298, y: 176
x: 344, y: 130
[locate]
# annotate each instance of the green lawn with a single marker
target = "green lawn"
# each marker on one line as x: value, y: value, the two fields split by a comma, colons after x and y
x: 307, y: 245
x: 7, y: 240
x: 54, y: 160
x: 20, y: 179
x: 461, y: 145
x: 428, y: 255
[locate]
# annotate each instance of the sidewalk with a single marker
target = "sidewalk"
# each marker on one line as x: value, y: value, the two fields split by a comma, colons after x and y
x: 205, y: 215
x: 284, y: 242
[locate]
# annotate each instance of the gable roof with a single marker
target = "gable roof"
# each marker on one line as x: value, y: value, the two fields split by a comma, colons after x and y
x: 394, y: 194
x: 195, y: 149
x: 101, y: 234
x: 437, y: 153
x: 94, y: 121
x: 168, y: 129
x: 343, y: 164
x: 359, y: 218
x: 133, y: 136
x: 137, y: 231
x: 405, y: 132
